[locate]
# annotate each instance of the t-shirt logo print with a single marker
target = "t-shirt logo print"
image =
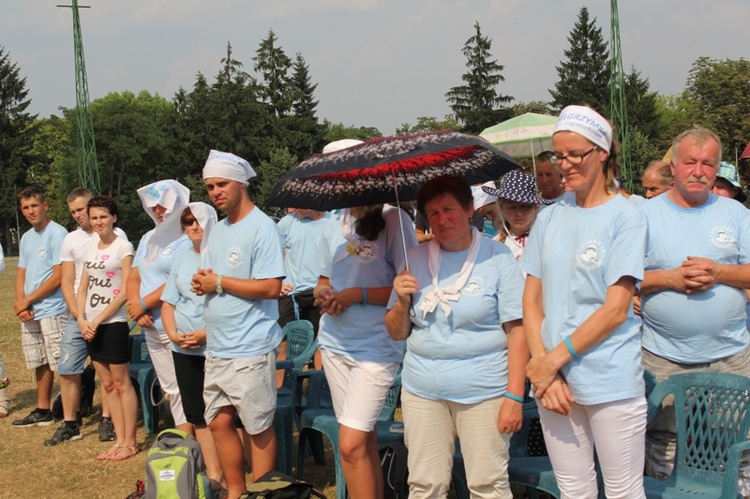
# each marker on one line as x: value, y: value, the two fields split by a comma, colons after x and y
x: 363, y: 249
x: 42, y: 253
x: 591, y: 255
x: 723, y: 237
x: 474, y: 287
x: 234, y: 257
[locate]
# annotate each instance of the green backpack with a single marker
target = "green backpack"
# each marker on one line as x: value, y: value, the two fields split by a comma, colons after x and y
x: 175, y: 468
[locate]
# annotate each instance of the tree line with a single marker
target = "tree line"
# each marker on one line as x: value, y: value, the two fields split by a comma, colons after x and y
x: 269, y: 116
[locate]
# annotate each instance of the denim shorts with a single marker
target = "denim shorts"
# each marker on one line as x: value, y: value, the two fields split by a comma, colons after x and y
x: 73, y: 350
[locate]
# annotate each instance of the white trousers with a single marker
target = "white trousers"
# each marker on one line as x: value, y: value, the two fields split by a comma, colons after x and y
x: 617, y: 429
x: 160, y: 350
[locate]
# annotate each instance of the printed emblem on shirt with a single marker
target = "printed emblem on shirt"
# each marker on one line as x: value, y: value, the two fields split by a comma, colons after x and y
x: 167, y: 251
x: 474, y: 286
x: 590, y: 255
x: 363, y: 249
x: 723, y: 237
x: 42, y: 253
x: 235, y: 257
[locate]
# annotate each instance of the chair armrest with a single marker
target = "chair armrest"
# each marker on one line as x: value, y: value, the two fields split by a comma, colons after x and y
x: 306, y: 355
x: 729, y: 489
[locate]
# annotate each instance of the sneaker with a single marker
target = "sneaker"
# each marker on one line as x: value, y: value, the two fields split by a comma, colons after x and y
x: 64, y: 433
x: 106, y: 430
x: 35, y: 418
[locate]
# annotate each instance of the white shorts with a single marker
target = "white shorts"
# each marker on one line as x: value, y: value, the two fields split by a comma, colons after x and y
x: 248, y: 385
x: 358, y: 388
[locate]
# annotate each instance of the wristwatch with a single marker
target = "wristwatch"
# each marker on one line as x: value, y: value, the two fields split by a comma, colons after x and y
x: 219, y: 289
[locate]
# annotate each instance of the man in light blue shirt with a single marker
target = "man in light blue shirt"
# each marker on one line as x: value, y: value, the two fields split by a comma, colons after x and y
x: 39, y: 302
x: 697, y: 268
x: 241, y: 282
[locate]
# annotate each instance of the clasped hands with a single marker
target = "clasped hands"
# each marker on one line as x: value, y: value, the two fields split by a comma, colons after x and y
x: 333, y: 302
x: 204, y: 282
x: 550, y: 388
x: 696, y: 274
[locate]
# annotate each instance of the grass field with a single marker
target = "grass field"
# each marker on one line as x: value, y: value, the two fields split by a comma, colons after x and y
x: 30, y: 469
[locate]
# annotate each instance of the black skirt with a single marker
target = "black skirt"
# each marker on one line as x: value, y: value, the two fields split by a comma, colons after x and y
x: 110, y: 345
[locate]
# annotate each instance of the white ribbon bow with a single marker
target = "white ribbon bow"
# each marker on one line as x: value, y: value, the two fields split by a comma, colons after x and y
x: 451, y: 292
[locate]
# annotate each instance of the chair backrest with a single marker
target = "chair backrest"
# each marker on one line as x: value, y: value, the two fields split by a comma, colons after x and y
x: 712, y: 411
x: 529, y: 442
x: 391, y: 400
x: 139, y: 350
x: 300, y: 347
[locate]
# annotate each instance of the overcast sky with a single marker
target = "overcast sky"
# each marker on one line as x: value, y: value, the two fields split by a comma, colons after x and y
x: 377, y: 62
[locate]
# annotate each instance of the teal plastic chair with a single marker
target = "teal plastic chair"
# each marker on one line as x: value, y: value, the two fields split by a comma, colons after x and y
x: 300, y: 348
x: 147, y: 387
x: 323, y: 421
x: 712, y: 411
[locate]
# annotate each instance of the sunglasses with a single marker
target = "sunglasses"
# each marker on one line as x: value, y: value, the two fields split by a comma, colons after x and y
x: 188, y: 222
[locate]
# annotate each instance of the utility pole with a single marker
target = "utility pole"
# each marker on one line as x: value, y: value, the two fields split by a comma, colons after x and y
x: 88, y: 170
x: 618, y: 105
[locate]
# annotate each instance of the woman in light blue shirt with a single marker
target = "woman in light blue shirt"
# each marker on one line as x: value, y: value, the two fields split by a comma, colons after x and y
x: 182, y: 316
x: 585, y: 259
x: 466, y: 354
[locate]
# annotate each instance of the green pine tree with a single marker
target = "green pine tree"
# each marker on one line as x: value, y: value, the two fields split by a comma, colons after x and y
x: 16, y: 141
x: 477, y: 104
x: 584, y: 76
x: 273, y: 65
x: 303, y: 89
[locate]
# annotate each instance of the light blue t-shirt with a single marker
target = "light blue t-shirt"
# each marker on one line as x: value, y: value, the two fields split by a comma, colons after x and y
x: 463, y: 357
x: 708, y: 325
x: 300, y: 237
x: 188, y: 312
x: 359, y: 331
x: 578, y: 253
x: 157, y: 273
x: 249, y: 249
x: 40, y: 251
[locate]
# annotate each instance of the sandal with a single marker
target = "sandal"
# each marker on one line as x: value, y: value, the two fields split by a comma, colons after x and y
x: 124, y: 452
x: 107, y: 455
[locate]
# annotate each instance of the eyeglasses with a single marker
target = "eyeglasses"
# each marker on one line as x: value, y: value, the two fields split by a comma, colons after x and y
x: 188, y: 222
x: 573, y: 159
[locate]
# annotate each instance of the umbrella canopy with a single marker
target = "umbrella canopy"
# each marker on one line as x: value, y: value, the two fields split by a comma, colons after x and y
x: 523, y: 136
x: 387, y: 170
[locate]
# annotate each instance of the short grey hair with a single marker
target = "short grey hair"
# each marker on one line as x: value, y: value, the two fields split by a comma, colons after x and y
x: 699, y: 135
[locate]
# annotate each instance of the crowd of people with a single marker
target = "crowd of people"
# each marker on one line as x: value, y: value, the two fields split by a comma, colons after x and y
x: 560, y: 281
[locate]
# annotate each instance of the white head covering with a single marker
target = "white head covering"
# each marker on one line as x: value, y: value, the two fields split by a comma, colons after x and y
x: 207, y: 218
x: 229, y: 166
x: 173, y: 196
x: 482, y: 197
x: 587, y: 123
x: 339, y: 145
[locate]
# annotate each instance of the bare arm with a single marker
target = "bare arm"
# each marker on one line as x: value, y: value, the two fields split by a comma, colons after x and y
x: 48, y: 287
x: 67, y: 284
x: 133, y: 293
x: 204, y: 282
x: 510, y: 416
x: 168, y: 320
x: 397, y: 320
x: 83, y: 289
x: 543, y: 368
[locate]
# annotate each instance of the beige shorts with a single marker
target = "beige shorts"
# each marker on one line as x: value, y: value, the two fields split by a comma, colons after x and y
x: 248, y: 385
x: 41, y: 340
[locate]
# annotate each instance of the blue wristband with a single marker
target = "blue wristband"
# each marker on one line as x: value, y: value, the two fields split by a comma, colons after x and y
x: 143, y: 304
x: 364, y: 295
x: 572, y: 352
x: 513, y: 397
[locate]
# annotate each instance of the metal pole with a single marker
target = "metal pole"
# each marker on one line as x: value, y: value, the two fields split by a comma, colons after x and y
x: 400, y: 222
